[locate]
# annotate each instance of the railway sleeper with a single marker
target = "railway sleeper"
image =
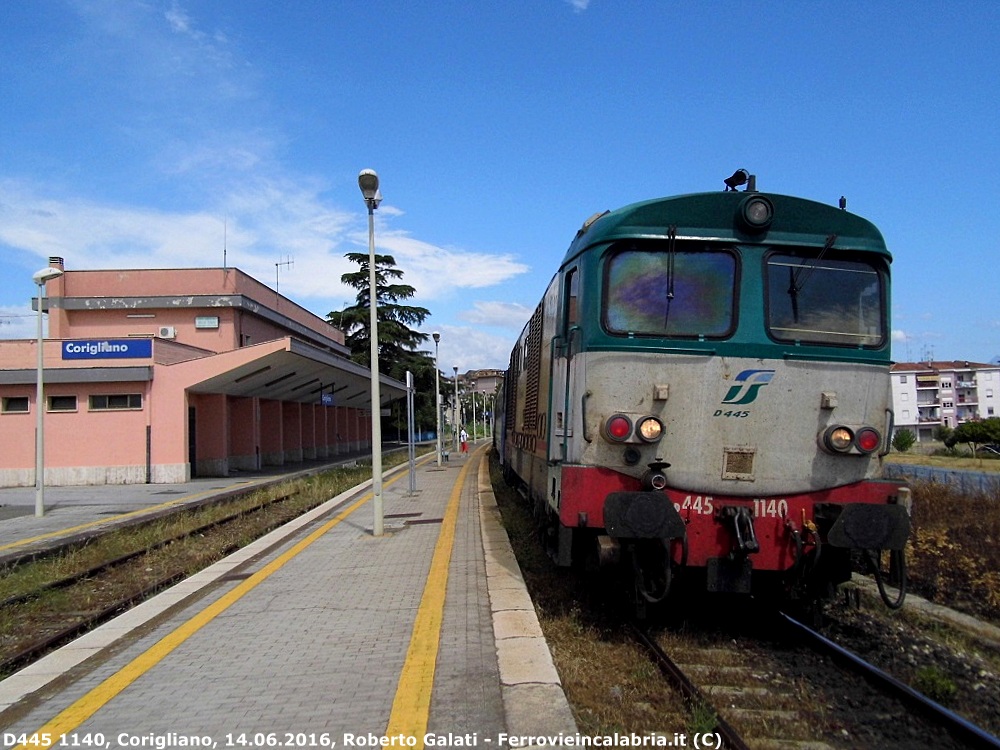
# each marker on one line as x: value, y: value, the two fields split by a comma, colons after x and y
x: 736, y: 692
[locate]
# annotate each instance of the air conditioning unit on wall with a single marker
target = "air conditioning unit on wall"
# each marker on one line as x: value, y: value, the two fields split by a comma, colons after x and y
x: 167, y: 332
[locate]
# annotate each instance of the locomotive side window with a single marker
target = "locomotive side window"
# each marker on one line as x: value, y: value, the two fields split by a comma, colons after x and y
x: 671, y: 293
x: 825, y: 301
x: 572, y: 295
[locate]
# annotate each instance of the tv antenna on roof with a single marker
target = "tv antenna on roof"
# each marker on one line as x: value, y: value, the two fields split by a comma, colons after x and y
x: 288, y: 263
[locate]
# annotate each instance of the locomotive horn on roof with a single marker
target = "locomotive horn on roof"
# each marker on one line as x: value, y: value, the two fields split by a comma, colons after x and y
x: 740, y: 177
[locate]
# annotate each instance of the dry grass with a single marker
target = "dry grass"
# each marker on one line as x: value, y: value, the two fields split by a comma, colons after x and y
x: 954, y: 551
x: 984, y: 462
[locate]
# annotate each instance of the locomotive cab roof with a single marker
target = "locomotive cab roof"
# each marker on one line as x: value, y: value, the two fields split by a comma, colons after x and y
x: 722, y: 216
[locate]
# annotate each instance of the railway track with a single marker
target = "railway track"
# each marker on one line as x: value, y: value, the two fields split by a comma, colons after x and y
x: 956, y: 726
x: 72, y: 594
x: 756, y: 674
x: 697, y: 700
x: 742, y: 690
x: 52, y: 595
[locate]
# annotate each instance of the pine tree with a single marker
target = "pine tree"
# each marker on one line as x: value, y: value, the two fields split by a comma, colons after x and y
x: 397, y: 341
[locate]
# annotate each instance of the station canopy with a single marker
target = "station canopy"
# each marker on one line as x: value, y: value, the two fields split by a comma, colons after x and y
x: 291, y: 370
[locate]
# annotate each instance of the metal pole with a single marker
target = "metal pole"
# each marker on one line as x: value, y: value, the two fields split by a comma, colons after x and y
x: 437, y: 395
x: 455, y: 423
x: 376, y: 397
x: 411, y: 445
x: 40, y: 418
x: 368, y: 182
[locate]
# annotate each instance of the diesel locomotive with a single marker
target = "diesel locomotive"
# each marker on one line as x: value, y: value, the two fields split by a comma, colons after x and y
x: 702, y: 394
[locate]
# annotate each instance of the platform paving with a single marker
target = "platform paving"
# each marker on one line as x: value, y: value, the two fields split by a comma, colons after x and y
x: 305, y: 634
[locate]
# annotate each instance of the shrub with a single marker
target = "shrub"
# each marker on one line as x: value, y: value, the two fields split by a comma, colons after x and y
x: 903, y: 440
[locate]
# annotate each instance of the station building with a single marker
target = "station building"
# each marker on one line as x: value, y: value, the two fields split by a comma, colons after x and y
x: 157, y: 376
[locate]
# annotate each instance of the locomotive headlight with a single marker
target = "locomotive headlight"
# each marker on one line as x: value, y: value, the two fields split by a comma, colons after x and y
x: 838, y: 439
x: 650, y: 429
x: 756, y: 213
x: 618, y: 428
x: 868, y: 439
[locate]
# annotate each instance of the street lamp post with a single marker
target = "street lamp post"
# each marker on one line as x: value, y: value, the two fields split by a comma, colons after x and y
x: 40, y: 279
x: 368, y: 182
x: 455, y: 368
x: 437, y: 393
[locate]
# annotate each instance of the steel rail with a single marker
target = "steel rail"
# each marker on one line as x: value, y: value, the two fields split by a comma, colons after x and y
x: 959, y: 728
x: 70, y: 579
x: 690, y: 691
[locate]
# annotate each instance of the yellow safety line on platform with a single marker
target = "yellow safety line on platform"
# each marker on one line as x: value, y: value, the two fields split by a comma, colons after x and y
x: 412, y: 704
x: 81, y: 710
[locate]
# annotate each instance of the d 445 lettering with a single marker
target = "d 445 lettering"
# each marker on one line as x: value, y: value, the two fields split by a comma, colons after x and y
x: 731, y: 413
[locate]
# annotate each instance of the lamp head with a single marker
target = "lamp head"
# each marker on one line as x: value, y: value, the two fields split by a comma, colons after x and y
x: 436, y: 336
x: 368, y: 182
x: 47, y: 274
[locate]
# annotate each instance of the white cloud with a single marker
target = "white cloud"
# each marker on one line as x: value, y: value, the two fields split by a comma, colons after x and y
x: 20, y: 322
x: 267, y: 222
x: 439, y: 272
x: 472, y: 348
x: 179, y: 20
x: 501, y: 314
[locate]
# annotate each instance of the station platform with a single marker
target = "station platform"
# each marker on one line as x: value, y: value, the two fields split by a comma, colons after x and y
x: 319, y: 634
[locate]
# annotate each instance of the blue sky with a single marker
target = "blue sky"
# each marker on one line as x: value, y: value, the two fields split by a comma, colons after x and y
x: 151, y: 133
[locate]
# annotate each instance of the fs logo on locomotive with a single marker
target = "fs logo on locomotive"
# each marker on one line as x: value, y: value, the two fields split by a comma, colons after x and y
x: 747, y: 385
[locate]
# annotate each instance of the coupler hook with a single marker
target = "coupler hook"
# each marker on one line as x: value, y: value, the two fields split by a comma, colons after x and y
x: 742, y: 525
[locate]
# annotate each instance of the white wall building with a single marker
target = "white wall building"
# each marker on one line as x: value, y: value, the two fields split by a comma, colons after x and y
x: 928, y: 395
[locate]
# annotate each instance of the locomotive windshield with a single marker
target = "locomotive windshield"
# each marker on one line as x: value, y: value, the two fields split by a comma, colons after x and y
x: 824, y: 301
x: 658, y: 291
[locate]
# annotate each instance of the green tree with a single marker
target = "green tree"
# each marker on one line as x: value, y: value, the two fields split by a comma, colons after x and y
x: 980, y: 432
x: 397, y: 340
x: 942, y: 433
x: 903, y: 440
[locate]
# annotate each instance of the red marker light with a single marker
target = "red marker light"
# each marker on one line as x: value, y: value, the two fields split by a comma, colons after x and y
x: 868, y: 440
x: 619, y: 427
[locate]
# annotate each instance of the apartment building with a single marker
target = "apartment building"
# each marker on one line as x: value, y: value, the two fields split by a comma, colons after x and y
x: 482, y: 381
x: 928, y: 395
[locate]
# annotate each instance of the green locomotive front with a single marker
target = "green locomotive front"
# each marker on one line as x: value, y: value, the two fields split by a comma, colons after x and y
x: 704, y: 390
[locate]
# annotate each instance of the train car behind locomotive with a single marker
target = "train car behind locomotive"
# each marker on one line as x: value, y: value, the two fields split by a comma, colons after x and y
x: 703, y: 391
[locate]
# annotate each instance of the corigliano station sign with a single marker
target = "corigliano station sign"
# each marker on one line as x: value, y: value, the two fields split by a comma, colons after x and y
x: 108, y: 349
